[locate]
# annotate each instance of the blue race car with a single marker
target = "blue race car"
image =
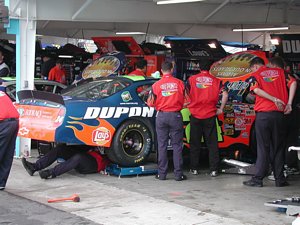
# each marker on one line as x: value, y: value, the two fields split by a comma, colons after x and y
x: 109, y: 112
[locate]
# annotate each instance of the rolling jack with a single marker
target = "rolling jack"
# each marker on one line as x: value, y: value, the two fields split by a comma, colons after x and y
x: 295, y: 149
x: 289, y: 205
x: 239, y: 167
x: 117, y: 170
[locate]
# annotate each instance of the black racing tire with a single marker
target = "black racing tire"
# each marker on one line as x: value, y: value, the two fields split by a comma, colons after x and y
x: 131, y: 145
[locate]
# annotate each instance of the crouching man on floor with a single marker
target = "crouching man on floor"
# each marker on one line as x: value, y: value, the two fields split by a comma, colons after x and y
x: 83, y: 159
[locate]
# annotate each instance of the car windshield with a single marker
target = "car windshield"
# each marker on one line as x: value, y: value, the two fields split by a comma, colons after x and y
x: 97, y: 89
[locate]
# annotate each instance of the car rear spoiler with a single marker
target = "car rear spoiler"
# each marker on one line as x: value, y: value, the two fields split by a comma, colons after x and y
x: 40, y: 95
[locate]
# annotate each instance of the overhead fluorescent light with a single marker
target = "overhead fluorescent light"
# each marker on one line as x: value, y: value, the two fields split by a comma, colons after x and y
x: 212, y: 45
x: 262, y: 29
x: 168, y: 45
x: 176, y: 1
x: 65, y: 56
x: 129, y: 33
x: 274, y: 41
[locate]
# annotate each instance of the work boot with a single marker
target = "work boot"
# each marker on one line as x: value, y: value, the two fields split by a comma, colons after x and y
x: 253, y: 183
x: 45, y: 174
x: 30, y: 168
x: 159, y: 177
x: 281, y: 184
x: 181, y: 178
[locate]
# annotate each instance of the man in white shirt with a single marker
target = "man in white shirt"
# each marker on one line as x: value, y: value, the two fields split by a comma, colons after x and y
x: 4, y: 70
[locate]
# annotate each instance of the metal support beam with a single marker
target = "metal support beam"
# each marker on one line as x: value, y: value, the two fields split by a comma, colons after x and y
x: 86, y: 4
x: 45, y: 24
x: 16, y: 6
x: 25, y: 31
x: 216, y: 10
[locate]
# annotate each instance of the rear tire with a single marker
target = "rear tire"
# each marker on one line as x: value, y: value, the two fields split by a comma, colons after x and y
x: 131, y: 145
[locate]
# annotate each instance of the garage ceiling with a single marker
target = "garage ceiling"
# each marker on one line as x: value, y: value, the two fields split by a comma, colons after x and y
x: 205, y: 19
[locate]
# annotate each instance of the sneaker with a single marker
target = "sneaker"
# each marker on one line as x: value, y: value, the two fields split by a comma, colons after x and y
x: 271, y: 177
x: 157, y: 176
x: 2, y: 188
x: 214, y: 173
x: 45, y: 174
x: 28, y: 166
x: 194, y: 172
x: 182, y: 177
x: 253, y: 183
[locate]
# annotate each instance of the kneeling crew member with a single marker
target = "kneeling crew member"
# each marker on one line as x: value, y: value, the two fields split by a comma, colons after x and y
x: 80, y: 158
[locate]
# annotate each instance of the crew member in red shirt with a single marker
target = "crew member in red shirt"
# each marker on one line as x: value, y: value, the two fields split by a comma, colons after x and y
x: 204, y: 90
x: 291, y: 113
x: 57, y: 73
x: 141, y: 68
x: 9, y: 125
x: 167, y: 97
x: 269, y: 85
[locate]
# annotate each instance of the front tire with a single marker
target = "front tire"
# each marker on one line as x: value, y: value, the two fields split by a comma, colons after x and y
x: 131, y: 145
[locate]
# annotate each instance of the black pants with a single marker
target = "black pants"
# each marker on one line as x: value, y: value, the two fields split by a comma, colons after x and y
x: 292, y: 123
x: 269, y: 128
x: 75, y: 158
x: 8, y: 135
x: 207, y: 129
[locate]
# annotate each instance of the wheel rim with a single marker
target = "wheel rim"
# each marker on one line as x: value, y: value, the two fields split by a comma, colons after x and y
x: 133, y: 142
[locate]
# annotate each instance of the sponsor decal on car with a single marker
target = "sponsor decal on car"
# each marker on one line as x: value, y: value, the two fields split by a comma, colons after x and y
x: 104, y: 66
x: 233, y: 66
x: 38, y: 122
x: 23, y: 131
x: 228, y: 109
x: 250, y: 113
x: 96, y: 135
x: 101, y: 136
x: 117, y: 112
x: 126, y: 97
x: 245, y: 135
x: 228, y: 126
x: 228, y: 132
x: 229, y: 120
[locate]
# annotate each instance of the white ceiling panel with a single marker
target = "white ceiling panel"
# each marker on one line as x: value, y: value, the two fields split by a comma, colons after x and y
x: 206, y: 19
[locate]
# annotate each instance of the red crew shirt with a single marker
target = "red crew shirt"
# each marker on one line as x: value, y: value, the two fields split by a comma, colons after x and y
x: 272, y: 81
x: 137, y: 72
x: 169, y: 92
x: 101, y: 161
x: 204, y: 90
x: 57, y: 75
x: 7, y: 109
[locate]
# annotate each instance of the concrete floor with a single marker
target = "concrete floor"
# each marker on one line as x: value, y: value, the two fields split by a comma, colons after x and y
x: 144, y: 200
